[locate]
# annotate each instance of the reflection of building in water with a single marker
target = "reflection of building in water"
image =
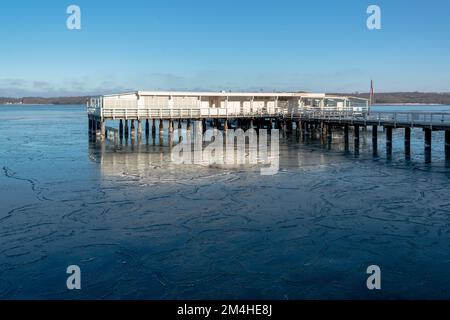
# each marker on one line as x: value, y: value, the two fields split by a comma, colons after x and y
x: 230, y: 150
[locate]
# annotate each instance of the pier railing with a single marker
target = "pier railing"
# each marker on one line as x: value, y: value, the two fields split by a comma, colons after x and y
x: 380, y: 118
x: 183, y: 113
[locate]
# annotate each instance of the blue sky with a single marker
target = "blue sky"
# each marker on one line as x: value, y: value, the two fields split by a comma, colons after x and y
x: 312, y: 45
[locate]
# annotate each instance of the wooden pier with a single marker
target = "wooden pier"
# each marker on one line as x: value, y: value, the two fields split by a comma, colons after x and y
x: 302, y: 111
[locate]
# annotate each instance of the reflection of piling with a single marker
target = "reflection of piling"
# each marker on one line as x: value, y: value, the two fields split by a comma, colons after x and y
x: 139, y: 129
x: 170, y: 139
x: 132, y: 131
x: 102, y: 129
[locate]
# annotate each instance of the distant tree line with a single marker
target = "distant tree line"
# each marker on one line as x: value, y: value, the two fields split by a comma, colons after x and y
x: 408, y: 97
x: 39, y: 100
x: 382, y: 98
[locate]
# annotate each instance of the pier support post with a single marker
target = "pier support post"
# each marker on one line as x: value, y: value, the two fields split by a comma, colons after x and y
x: 188, y: 125
x: 179, y: 124
x: 153, y: 126
x: 408, y: 143
x: 407, y: 136
x: 389, y: 136
x: 225, y: 125
x: 427, y: 132
x: 89, y: 125
x: 147, y: 127
x: 356, y: 128
x: 329, y: 131
x: 356, y: 139
x: 388, y: 141
x: 374, y: 135
x: 346, y: 133
x: 161, y: 126
x: 93, y: 126
x: 126, y: 129
x: 121, y: 128
x: 170, y: 126
x: 447, y: 144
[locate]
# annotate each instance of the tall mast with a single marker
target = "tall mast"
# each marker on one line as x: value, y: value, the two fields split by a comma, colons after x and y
x: 371, y: 98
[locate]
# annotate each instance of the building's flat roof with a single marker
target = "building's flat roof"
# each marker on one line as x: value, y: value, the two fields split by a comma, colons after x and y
x: 231, y: 94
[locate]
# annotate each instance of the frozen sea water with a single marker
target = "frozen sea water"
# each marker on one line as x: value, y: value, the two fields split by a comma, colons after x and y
x: 142, y: 227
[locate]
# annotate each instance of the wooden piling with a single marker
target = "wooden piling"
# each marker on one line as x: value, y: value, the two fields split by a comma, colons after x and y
x: 447, y: 140
x: 89, y: 125
x: 447, y: 145
x: 407, y: 136
x: 346, y: 133
x: 427, y: 132
x: 374, y: 134
x: 388, y: 142
x: 388, y: 135
x: 356, y: 128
